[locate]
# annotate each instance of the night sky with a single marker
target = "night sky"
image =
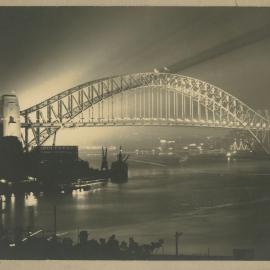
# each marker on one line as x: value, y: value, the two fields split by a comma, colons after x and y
x: 45, y: 50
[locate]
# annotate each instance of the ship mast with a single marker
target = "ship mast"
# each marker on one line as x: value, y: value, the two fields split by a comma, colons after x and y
x: 104, y: 161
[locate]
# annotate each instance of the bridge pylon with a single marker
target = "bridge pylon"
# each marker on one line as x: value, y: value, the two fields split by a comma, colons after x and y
x: 10, y: 116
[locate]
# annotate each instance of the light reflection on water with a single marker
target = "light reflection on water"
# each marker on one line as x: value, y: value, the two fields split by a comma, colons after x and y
x: 31, y: 200
x: 18, y: 211
x: 216, y: 206
x: 79, y: 194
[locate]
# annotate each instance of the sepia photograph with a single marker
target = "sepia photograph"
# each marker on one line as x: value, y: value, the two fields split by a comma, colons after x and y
x: 134, y: 133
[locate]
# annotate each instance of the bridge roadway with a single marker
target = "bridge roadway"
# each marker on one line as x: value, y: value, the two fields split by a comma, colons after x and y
x: 141, y: 122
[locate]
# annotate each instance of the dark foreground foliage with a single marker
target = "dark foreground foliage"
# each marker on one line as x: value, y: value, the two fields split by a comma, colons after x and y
x: 55, y: 248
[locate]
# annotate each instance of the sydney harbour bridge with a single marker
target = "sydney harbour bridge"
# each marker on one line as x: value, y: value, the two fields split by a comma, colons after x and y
x: 143, y: 99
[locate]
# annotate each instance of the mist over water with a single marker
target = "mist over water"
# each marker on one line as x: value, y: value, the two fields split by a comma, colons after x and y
x: 217, y: 206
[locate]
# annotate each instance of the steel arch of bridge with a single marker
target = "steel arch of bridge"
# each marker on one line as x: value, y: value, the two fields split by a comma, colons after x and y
x: 146, y: 99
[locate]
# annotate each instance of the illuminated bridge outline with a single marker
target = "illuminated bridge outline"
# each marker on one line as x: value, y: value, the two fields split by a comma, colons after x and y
x: 142, y: 99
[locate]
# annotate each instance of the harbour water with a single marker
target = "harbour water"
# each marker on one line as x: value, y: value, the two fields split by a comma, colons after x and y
x: 218, y: 207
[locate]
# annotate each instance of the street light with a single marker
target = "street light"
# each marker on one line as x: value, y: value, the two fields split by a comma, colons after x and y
x: 177, y: 235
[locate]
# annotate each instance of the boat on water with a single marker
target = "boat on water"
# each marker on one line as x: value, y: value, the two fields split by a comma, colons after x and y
x: 119, y: 168
x: 88, y: 184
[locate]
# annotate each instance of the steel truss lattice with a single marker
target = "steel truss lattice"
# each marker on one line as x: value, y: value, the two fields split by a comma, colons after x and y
x: 145, y: 99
